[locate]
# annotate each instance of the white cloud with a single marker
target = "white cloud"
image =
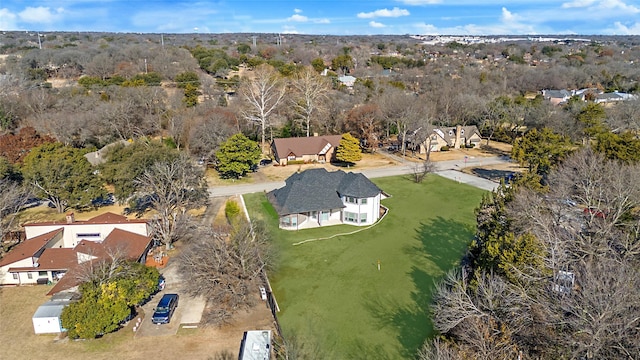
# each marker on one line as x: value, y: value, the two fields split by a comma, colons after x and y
x: 617, y: 4
x: 622, y: 29
x: 420, y: 2
x: 298, y: 18
x: 577, y: 4
x: 376, y: 24
x: 7, y: 20
x: 297, y: 11
x: 507, y: 15
x: 289, y: 30
x: 322, y: 21
x: 395, y: 12
x: 602, y: 5
x: 39, y: 14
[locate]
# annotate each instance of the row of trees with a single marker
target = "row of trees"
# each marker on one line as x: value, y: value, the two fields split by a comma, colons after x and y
x: 552, y: 270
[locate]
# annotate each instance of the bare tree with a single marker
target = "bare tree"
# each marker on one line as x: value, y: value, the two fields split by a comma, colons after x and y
x: 172, y: 188
x: 102, y: 269
x: 422, y: 169
x: 226, y: 271
x: 310, y: 95
x: 12, y: 198
x: 438, y: 350
x: 480, y: 317
x: 263, y: 94
x: 406, y: 111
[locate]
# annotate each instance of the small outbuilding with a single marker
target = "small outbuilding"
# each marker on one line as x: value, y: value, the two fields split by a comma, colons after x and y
x: 256, y: 345
x: 46, y: 319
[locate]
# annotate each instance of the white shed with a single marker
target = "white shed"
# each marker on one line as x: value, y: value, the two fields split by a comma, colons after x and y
x: 256, y: 345
x: 46, y: 319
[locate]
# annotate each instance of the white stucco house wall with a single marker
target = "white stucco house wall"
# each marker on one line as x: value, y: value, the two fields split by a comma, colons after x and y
x: 52, y: 249
x: 317, y: 197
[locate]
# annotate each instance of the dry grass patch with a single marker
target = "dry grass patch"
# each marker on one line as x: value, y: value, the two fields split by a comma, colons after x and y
x: 18, y: 304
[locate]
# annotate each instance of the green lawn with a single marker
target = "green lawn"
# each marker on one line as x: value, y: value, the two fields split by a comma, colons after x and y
x: 332, y: 292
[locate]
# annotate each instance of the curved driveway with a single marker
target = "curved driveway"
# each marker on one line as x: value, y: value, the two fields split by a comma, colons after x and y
x: 449, y: 169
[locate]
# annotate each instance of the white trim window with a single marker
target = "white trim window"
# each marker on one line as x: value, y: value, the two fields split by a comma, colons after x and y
x: 363, y: 217
x: 350, y: 217
x: 363, y: 201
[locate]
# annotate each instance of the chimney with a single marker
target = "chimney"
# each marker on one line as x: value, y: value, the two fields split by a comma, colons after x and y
x: 70, y: 218
x: 456, y: 145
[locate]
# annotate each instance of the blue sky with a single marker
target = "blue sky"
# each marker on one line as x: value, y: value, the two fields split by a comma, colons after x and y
x: 336, y: 17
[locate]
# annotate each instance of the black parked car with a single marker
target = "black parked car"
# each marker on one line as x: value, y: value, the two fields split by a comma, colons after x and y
x: 265, y: 162
x: 165, y: 309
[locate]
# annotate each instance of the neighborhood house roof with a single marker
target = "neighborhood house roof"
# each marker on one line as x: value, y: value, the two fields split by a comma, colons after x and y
x: 318, y: 189
x: 300, y: 146
x: 556, y: 94
x: 131, y: 246
x: 57, y: 259
x: 28, y: 248
x: 106, y: 218
x: 449, y: 133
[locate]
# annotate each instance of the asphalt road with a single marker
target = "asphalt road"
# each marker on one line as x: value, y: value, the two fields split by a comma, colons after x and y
x: 449, y: 169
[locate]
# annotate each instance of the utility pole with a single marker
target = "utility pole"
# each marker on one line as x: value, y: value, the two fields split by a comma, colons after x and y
x: 39, y: 42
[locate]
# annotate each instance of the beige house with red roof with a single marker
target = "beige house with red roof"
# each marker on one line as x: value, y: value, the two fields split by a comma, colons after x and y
x: 307, y: 149
x: 53, y: 251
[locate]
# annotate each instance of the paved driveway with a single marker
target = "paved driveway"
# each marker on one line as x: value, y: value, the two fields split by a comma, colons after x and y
x: 189, y: 310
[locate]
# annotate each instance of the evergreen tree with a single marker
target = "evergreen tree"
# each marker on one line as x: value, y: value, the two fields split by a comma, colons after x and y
x: 237, y: 156
x: 349, y: 149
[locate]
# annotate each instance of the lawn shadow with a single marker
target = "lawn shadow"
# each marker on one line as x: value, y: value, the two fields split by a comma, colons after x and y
x: 441, y: 246
x: 411, y: 321
x: 441, y: 243
x: 363, y: 349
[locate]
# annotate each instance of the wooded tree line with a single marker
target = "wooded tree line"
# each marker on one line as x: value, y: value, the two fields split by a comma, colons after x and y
x: 554, y: 267
x: 120, y: 98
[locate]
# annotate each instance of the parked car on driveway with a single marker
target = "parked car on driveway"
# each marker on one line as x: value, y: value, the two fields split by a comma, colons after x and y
x: 165, y: 309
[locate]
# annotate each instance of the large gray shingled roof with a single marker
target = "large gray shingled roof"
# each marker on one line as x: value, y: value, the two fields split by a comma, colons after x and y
x: 318, y: 189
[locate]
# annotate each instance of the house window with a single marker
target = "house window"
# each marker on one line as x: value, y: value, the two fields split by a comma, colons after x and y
x: 363, y: 217
x: 290, y: 221
x: 350, y: 217
x: 15, y: 276
x: 42, y: 273
x: 363, y: 201
x: 29, y: 276
x: 88, y: 235
x: 291, y: 157
x: 351, y: 200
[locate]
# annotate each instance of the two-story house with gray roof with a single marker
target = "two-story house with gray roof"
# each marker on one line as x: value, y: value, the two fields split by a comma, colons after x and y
x: 317, y: 197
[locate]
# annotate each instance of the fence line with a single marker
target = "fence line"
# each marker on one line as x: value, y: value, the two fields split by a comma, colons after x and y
x: 271, y: 298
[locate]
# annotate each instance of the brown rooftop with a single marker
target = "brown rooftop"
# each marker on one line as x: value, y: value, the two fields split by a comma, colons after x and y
x: 28, y: 248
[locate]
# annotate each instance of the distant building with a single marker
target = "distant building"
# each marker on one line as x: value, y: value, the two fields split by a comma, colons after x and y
x: 307, y: 149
